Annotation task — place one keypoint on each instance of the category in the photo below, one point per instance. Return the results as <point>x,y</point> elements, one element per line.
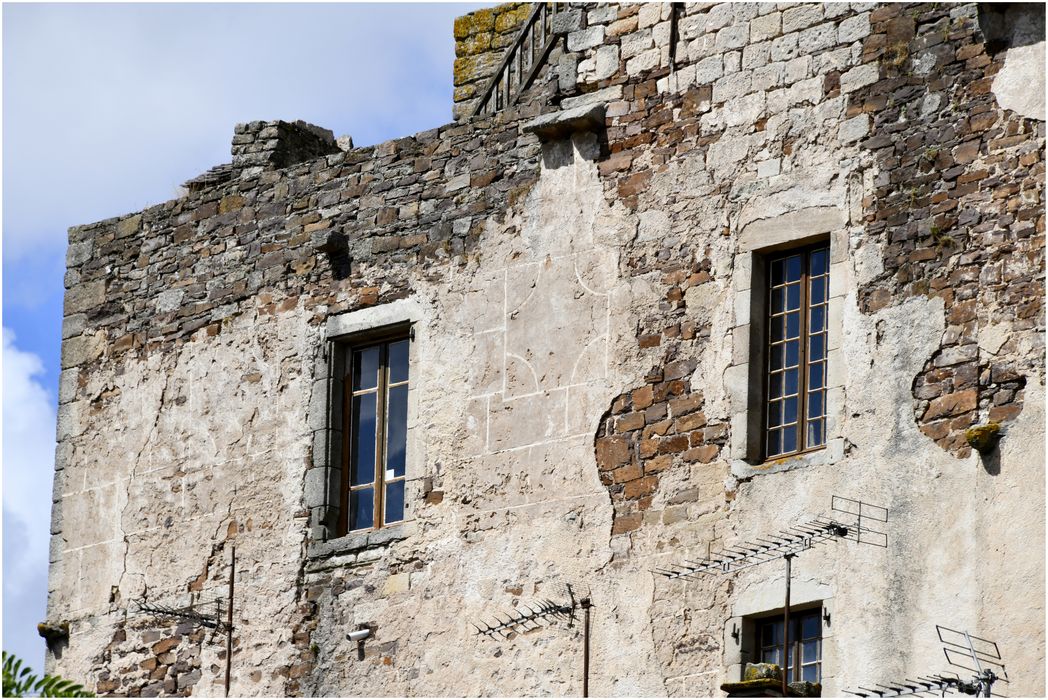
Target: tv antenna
<point>981,657</point>
<point>531,617</point>
<point>193,613</point>
<point>850,520</point>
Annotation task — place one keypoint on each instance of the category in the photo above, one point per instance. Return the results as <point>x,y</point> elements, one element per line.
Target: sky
<point>107,109</point>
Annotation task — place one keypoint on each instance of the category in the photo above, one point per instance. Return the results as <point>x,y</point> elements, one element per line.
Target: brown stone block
<point>703,453</point>
<point>642,397</point>
<point>635,184</point>
<point>649,341</point>
<point>660,428</point>
<point>999,414</point>
<point>690,422</point>
<point>612,452</point>
<point>626,523</point>
<point>648,448</point>
<point>644,486</point>
<point>673,445</point>
<point>937,430</point>
<point>658,464</point>
<point>951,405</point>
<point>630,421</point>
<point>166,645</point>
<point>685,405</point>
<point>628,473</point>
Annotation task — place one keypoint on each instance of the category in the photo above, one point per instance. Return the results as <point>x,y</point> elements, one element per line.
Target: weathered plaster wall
<point>580,373</point>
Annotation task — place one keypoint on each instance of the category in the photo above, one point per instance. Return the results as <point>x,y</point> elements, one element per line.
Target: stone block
<point>733,37</point>
<point>606,61</point>
<point>583,39</point>
<point>854,28</point>
<point>642,62</point>
<point>853,129</point>
<point>397,583</point>
<point>709,69</point>
<point>860,77</point>
<point>636,43</point>
<point>801,16</point>
<point>765,27</point>
<point>85,297</point>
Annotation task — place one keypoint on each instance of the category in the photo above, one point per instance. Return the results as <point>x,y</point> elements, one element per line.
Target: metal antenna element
<point>963,650</point>
<point>529,617</point>
<point>189,612</point>
<point>850,520</point>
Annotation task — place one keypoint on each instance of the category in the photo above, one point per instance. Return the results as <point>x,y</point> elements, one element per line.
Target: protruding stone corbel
<point>562,124</point>
<point>983,438</point>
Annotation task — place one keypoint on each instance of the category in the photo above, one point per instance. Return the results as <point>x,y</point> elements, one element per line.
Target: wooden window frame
<point>771,257</point>
<point>795,650</point>
<point>383,337</point>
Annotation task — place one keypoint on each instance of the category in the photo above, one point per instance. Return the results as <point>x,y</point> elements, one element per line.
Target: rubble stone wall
<point>581,360</point>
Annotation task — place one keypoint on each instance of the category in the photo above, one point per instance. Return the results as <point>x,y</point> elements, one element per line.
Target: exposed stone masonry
<point>584,431</point>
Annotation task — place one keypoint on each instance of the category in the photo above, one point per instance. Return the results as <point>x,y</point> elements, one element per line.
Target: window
<point>375,416</point>
<point>805,644</point>
<point>795,377</point>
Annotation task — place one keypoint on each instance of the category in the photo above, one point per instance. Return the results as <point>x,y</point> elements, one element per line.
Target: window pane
<point>777,326</point>
<point>398,361</point>
<point>818,290</point>
<point>361,509</point>
<point>775,386</point>
<point>793,325</point>
<point>791,381</point>
<point>810,673</point>
<point>815,404</point>
<point>818,346</point>
<point>789,440</point>
<point>810,630</point>
<point>394,502</point>
<point>770,655</point>
<point>792,352</point>
<point>778,270</point>
<point>362,457</point>
<point>776,357</point>
<point>396,430</point>
<point>793,297</point>
<point>365,368</point>
<point>815,434</point>
<point>815,372</point>
<point>778,303</point>
<point>775,413</point>
<point>820,261</point>
<point>790,410</point>
<point>818,320</point>
<point>793,267</point>
<point>774,446</point>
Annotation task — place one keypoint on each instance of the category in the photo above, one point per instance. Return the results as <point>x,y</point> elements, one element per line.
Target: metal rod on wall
<point>229,616</point>
<point>786,628</point>
<point>586,605</point>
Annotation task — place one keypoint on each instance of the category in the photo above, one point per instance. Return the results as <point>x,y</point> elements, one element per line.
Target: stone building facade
<point>582,276</point>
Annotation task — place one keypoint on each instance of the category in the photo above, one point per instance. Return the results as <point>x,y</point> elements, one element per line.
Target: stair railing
<point>522,62</point>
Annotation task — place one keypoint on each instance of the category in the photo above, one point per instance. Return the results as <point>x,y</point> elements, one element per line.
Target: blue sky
<point>107,109</point>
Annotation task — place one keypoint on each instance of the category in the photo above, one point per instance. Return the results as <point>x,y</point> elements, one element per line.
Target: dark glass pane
<point>362,457</point>
<point>396,430</point>
<point>792,352</point>
<point>777,326</point>
<point>365,368</point>
<point>810,673</point>
<point>820,261</point>
<point>818,320</point>
<point>818,290</point>
<point>789,440</point>
<point>791,381</point>
<point>395,502</point>
<point>815,372</point>
<point>361,509</point>
<point>809,630</point>
<point>774,386</point>
<point>815,433</point>
<point>777,300</point>
<point>772,633</point>
<point>774,444</point>
<point>774,414</point>
<point>776,357</point>
<point>817,347</point>
<point>770,656</point>
<point>793,268</point>
<point>398,361</point>
<point>790,410</point>
<point>793,297</point>
<point>778,269</point>
<point>815,404</point>
<point>793,324</point>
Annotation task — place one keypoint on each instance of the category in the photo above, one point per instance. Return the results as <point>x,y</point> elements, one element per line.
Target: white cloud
<point>28,458</point>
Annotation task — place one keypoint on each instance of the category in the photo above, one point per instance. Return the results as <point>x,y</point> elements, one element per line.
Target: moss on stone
<point>511,15</point>
<point>983,437</point>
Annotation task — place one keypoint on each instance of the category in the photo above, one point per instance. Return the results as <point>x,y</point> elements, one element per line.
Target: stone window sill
<point>357,542</point>
<point>831,454</point>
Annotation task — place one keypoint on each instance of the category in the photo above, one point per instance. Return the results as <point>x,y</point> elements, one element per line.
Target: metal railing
<point>522,62</point>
